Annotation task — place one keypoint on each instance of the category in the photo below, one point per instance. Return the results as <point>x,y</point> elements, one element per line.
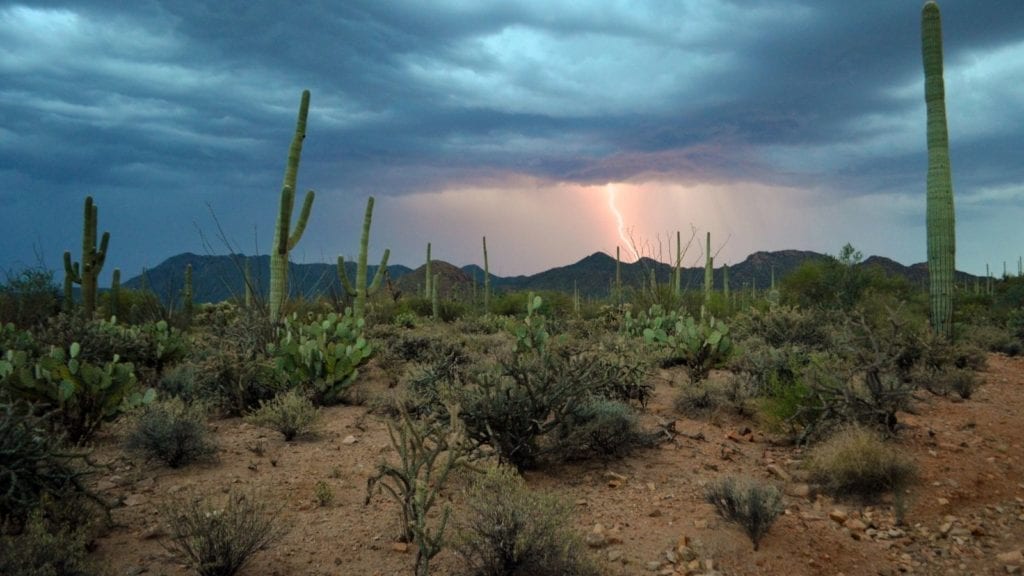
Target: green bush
<point>857,461</point>
<point>519,533</point>
<point>219,541</point>
<point>45,548</point>
<point>28,298</point>
<point>291,414</point>
<point>172,432</point>
<point>700,345</point>
<point>752,505</point>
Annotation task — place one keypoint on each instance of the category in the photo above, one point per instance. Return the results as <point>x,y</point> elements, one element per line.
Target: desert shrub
<point>481,324</point>
<point>732,392</point>
<point>43,547</point>
<point>507,530</point>
<point>754,506</point>
<point>291,413</point>
<point>233,381</point>
<point>219,541</point>
<point>947,380</point>
<point>991,338</point>
<point>1015,323</point>
<point>28,298</point>
<point>180,381</point>
<point>172,432</point>
<point>781,326</point>
<point>599,428</point>
<point>858,461</point>
<point>35,465</point>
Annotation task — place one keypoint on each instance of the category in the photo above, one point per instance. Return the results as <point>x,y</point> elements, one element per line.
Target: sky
<point>556,128</point>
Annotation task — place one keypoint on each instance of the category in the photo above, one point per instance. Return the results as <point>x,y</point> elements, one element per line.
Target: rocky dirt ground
<point>640,515</point>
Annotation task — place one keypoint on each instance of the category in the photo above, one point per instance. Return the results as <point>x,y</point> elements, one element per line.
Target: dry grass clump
<point>752,505</point>
<point>292,414</point>
<point>173,432</point>
<point>507,530</point>
<point>857,461</point>
<point>219,541</point>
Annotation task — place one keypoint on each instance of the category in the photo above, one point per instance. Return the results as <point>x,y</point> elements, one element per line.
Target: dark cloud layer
<point>165,110</point>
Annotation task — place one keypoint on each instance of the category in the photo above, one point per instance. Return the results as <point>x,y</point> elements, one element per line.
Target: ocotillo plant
<point>487,281</point>
<point>940,220</point>
<point>285,238</point>
<point>115,292</point>
<point>86,272</point>
<point>360,291</point>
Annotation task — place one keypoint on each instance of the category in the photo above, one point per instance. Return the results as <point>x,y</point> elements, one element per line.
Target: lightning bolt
<point>619,222</point>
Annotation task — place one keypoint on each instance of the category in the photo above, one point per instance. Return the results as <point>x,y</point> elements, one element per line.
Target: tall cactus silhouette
<point>487,281</point>
<point>941,219</point>
<point>115,293</point>
<point>360,291</point>
<point>187,295</point>
<point>87,271</point>
<point>285,238</point>
<point>709,278</point>
<point>427,278</point>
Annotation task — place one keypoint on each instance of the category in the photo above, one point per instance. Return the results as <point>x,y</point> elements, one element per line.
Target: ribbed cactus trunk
<point>115,293</point>
<point>725,282</point>
<point>435,304</point>
<point>248,284</point>
<point>618,277</point>
<point>427,277</point>
<point>186,295</point>
<point>941,220</point>
<point>709,278</point>
<point>285,238</point>
<point>677,273</point>
<point>487,281</point>
<point>87,271</point>
<point>360,291</point>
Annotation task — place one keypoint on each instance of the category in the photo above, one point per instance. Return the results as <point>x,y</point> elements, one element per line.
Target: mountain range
<point>218,278</point>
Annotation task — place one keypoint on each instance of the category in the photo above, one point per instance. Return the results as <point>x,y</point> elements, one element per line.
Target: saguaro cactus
<point>427,278</point>
<point>618,277</point>
<point>709,278</point>
<point>247,274</point>
<point>940,220</point>
<point>186,294</point>
<point>285,238</point>
<point>115,292</point>
<point>677,275</point>
<point>487,281</point>
<point>361,290</point>
<point>86,272</point>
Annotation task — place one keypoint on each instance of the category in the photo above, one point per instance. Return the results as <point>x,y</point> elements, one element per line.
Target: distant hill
<point>217,278</point>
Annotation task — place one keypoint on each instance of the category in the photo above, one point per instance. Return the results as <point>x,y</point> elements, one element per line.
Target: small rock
<point>837,516</point>
<point>653,565</point>
<point>777,471</point>
<point>401,547</point>
<point>799,490</point>
<point>349,440</point>
<point>614,555</point>
<point>134,500</point>
<point>654,513</point>
<point>154,531</point>
<point>856,525</point>
<point>1015,557</point>
<point>700,524</point>
<point>596,537</point>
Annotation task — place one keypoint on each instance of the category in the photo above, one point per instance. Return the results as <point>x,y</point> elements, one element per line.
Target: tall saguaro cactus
<point>427,277</point>
<point>709,278</point>
<point>487,281</point>
<point>285,237</point>
<point>361,290</point>
<point>186,295</point>
<point>940,220</point>
<point>87,271</point>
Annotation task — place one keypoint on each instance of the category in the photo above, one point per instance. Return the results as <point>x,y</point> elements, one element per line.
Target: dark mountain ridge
<point>217,278</point>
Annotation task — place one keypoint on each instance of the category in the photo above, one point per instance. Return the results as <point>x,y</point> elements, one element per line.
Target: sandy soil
<point>646,511</point>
